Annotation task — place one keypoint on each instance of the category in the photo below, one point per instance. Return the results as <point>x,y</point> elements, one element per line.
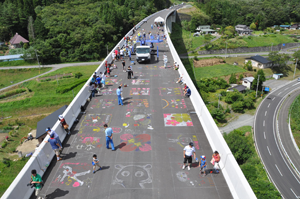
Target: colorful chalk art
<point>177,119</point>
<point>170,91</point>
<point>140,91</point>
<point>138,82</point>
<point>140,142</point>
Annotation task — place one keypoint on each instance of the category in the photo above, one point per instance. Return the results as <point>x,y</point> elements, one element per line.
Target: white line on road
<point>273,98</point>
<point>279,93</point>
<point>266,113</point>
<point>286,88</point>
<point>264,123</point>
<point>269,105</point>
<point>278,170</point>
<point>296,84</point>
<point>295,194</point>
<point>269,150</point>
<point>265,135</point>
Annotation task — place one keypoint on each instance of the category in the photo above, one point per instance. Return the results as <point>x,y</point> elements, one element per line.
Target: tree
<point>261,79</point>
<point>238,107</point>
<point>248,66</point>
<point>234,96</point>
<point>218,114</point>
<point>241,77</point>
<point>296,55</point>
<point>279,62</point>
<point>239,145</point>
<point>248,102</point>
<point>30,29</point>
<point>253,26</point>
<point>232,79</point>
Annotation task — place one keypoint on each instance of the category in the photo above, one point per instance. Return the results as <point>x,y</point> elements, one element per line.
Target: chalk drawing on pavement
<point>177,119</point>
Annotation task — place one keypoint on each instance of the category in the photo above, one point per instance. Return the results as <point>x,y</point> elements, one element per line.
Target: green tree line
<point>65,31</point>
<point>263,13</point>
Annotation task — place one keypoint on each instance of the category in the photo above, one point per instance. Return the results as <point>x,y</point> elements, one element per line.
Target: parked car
<point>298,79</point>
<point>196,34</point>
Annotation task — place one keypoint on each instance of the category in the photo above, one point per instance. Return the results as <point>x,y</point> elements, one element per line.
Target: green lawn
<point>183,40</point>
<point>44,94</point>
<point>18,63</point>
<point>295,120</point>
<point>18,75</point>
<point>217,70</point>
<point>267,41</point>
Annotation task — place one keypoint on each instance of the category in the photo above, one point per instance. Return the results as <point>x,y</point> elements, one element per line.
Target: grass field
<point>217,71</point>
<point>44,94</point>
<point>267,41</point>
<point>184,41</point>
<point>295,119</point>
<point>18,75</point>
<point>86,71</point>
<point>18,63</point>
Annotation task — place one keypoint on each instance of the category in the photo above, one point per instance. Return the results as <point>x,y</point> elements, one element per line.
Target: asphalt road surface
<point>150,131</point>
<point>268,146</point>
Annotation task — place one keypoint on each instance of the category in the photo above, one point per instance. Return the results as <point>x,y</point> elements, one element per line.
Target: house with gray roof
<point>259,62</point>
<point>16,40</point>
<point>205,29</point>
<point>243,29</point>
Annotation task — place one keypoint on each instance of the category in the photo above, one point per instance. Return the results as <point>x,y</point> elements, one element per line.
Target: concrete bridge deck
<point>150,131</point>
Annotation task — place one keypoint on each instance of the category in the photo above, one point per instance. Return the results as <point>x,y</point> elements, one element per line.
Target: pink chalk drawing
<point>137,118</point>
<point>140,82</point>
<point>175,103</point>
<point>111,81</point>
<point>93,123</point>
<point>139,142</point>
<point>178,119</point>
<point>109,91</point>
<point>140,91</point>
<point>108,103</point>
<point>116,129</point>
<point>92,140</point>
<point>172,91</point>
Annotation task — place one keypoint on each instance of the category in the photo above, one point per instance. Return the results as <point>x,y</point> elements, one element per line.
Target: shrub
<point>241,76</point>
<point>13,92</point>
<point>8,128</point>
<point>78,75</point>
<point>69,76</point>
<point>234,96</point>
<point>67,87</point>
<point>295,40</point>
<point>232,79</point>
<point>254,70</point>
<point>11,133</point>
<point>223,93</point>
<point>217,114</point>
<point>250,37</point>
<point>273,35</point>
<point>240,37</point>
<point>238,107</point>
<point>196,58</point>
<point>4,144</point>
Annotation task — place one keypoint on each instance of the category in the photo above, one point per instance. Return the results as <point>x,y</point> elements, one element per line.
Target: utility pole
<point>226,49</point>
<point>219,100</point>
<point>37,57</point>
<point>262,89</point>
<point>295,68</point>
<point>257,86</point>
<point>271,47</point>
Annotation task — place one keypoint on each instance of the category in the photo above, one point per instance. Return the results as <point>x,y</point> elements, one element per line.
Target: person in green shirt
<point>37,181</point>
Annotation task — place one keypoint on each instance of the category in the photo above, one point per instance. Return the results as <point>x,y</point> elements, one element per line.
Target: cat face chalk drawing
<point>126,174</point>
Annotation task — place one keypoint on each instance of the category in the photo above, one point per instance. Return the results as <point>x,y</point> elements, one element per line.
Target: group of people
<point>186,90</point>
<point>188,153</point>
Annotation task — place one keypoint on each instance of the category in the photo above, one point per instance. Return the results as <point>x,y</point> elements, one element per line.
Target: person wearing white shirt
<point>188,152</point>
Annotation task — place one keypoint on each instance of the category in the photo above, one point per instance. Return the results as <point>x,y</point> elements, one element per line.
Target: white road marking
<point>269,150</point>
<point>273,98</point>
<point>264,123</point>
<point>266,113</point>
<point>296,84</point>
<point>279,93</point>
<point>278,170</point>
<point>295,194</point>
<point>286,88</point>
<point>265,135</point>
<point>269,105</point>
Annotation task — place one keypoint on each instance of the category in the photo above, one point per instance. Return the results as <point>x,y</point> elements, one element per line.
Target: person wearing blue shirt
<point>55,146</point>
<point>98,79</point>
<point>202,164</point>
<point>187,92</point>
<point>109,137</point>
<point>120,101</point>
<point>50,132</point>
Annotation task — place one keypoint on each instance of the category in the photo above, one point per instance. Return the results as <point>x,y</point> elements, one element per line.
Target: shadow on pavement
<point>57,193</point>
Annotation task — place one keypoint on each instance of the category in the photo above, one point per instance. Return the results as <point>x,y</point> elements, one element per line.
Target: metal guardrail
<point>232,172</point>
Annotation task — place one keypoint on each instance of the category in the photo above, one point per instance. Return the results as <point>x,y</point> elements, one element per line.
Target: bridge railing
<point>233,174</point>
<point>43,156</point>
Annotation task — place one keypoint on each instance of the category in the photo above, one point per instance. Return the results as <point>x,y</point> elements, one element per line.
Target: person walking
<point>123,63</point>
<point>120,101</point>
<point>55,146</point>
<point>109,137</point>
<point>202,164</point>
<point>51,132</point>
<point>37,181</point>
<point>188,152</point>
<point>64,124</point>
<point>152,26</point>
<point>95,163</point>
<point>129,72</point>
<point>103,78</point>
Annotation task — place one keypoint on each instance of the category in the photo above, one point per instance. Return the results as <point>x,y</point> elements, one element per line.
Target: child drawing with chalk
<point>95,163</point>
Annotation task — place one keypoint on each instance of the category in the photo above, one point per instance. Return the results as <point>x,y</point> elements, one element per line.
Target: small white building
<point>247,81</point>
<point>259,62</point>
<point>205,29</point>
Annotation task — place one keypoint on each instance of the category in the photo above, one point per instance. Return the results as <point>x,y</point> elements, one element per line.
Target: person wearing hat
<point>55,146</point>
<point>202,164</point>
<point>51,132</point>
<point>188,152</point>
<point>64,123</point>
